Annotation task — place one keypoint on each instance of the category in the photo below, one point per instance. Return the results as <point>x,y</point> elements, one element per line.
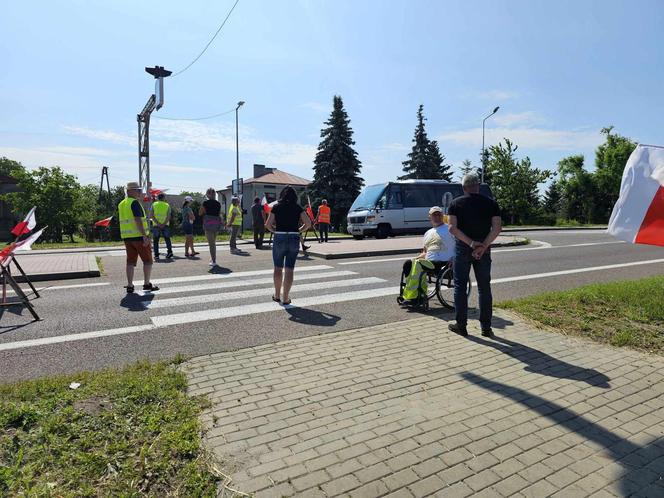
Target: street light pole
<point>483,155</point>
<point>237,145</point>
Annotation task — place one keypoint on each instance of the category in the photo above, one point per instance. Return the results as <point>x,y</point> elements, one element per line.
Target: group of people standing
<point>286,220</point>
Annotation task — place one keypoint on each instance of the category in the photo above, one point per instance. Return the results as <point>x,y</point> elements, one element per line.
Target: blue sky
<point>72,81</point>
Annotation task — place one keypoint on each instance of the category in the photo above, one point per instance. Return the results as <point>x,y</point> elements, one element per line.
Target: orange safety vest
<point>324,214</point>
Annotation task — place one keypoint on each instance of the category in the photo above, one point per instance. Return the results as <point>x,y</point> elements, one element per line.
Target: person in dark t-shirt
<point>475,223</point>
<point>258,222</point>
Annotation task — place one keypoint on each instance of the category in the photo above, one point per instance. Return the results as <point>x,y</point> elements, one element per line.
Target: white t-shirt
<point>439,243</point>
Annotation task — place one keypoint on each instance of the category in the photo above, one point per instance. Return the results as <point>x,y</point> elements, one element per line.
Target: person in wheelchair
<point>437,252</point>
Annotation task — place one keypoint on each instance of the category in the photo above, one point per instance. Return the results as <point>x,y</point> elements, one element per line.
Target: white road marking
<point>244,283</point>
<point>215,314</point>
<point>575,270</point>
<point>74,337</point>
<point>229,296</point>
<point>543,245</point>
<point>216,276</point>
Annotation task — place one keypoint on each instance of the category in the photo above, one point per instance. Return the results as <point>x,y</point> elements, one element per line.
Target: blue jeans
<point>285,248</point>
<point>463,260</point>
<point>156,234</point>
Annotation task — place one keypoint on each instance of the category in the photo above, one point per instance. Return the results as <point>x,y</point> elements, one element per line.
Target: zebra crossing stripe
<point>228,296</point>
<point>245,282</point>
<point>251,309</point>
<point>216,276</point>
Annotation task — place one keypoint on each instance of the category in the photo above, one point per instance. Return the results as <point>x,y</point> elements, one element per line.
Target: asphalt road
<point>199,313</point>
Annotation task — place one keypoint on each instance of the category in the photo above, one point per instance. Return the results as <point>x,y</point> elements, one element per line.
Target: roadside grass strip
<point>625,313</point>
<point>129,432</point>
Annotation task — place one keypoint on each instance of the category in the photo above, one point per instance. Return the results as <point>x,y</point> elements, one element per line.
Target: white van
<point>400,207</point>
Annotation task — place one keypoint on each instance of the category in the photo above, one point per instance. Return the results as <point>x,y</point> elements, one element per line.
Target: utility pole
<point>154,103</point>
<point>483,152</point>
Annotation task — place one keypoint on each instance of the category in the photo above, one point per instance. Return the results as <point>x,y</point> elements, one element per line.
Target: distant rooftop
<point>262,174</point>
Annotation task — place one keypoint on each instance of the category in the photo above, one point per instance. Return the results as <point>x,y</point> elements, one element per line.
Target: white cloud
<point>497,95</point>
<point>317,107</point>
<point>532,138</point>
<point>103,135</point>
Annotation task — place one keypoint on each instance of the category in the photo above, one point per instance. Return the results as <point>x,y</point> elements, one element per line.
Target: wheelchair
<point>440,284</point>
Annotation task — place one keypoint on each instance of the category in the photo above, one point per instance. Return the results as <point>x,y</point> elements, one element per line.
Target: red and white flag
<point>266,206</point>
<point>104,223</point>
<point>26,244</point>
<point>26,225</point>
<point>638,216</point>
<point>6,253</point>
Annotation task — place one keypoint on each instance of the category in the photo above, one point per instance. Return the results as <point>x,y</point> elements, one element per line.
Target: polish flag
<point>638,216</point>
<point>266,207</point>
<point>5,254</point>
<point>26,225</point>
<point>104,223</point>
<point>26,244</point>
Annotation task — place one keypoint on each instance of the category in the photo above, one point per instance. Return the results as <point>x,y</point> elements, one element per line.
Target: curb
<point>519,241</point>
<point>548,229</point>
<point>91,272</point>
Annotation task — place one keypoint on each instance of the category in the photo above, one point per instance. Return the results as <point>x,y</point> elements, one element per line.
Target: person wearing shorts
<point>211,213</point>
<point>287,220</point>
<point>134,233</point>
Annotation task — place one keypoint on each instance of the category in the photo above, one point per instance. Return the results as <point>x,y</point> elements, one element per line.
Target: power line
<point>197,119</point>
<point>209,43</point>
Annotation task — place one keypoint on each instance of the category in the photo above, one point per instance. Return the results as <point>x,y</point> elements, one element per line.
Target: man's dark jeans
<point>324,231</point>
<point>463,260</point>
<point>156,234</point>
<point>259,234</point>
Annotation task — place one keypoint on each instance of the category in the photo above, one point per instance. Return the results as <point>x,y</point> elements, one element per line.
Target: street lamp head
<point>158,71</point>
<point>496,109</point>
<point>240,104</point>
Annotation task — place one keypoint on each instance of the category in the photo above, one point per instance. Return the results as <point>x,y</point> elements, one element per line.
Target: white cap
<point>189,198</point>
<point>436,209</point>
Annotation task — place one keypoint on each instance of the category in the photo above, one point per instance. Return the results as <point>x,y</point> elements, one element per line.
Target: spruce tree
<point>552,199</point>
<point>466,167</point>
<point>425,160</point>
<point>336,166</point>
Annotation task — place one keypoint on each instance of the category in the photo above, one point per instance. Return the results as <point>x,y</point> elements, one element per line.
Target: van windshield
<point>368,197</point>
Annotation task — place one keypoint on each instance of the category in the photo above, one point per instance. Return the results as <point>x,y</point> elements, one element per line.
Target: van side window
<point>394,200</point>
<point>441,190</point>
<point>419,196</point>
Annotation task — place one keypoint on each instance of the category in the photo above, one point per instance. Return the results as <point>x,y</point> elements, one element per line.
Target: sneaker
<point>169,255</point>
<point>458,329</point>
<point>487,332</point>
<point>156,257</point>
<point>130,289</point>
<point>211,263</point>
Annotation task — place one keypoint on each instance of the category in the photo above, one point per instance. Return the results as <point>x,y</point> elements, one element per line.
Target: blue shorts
<point>285,248</point>
<point>188,228</point>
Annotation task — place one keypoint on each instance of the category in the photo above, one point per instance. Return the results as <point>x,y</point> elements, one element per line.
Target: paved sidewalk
<point>41,267</point>
<point>409,409</point>
<point>339,249</point>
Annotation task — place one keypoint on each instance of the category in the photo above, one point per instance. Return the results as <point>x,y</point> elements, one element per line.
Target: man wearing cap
<point>161,217</point>
<point>475,223</point>
<point>234,222</point>
<point>324,220</point>
<point>134,233</point>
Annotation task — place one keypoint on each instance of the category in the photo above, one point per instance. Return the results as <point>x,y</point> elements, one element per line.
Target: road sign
<point>236,187</point>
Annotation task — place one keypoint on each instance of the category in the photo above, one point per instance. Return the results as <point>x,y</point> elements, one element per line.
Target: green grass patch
<point>132,432</point>
<point>625,313</point>
<point>100,265</point>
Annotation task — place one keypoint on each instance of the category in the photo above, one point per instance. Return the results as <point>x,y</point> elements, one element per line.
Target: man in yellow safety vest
<point>161,217</point>
<point>134,233</point>
<point>234,223</point>
<point>324,220</point>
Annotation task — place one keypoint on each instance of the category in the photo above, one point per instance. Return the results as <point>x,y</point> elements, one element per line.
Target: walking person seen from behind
<point>161,218</point>
<point>475,223</point>
<point>134,233</point>
<point>324,220</point>
<point>286,220</point>
<point>188,227</point>
<point>234,222</point>
<point>258,222</point>
<point>211,213</point>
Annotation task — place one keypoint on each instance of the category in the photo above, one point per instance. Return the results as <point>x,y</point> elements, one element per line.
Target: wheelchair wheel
<point>445,288</point>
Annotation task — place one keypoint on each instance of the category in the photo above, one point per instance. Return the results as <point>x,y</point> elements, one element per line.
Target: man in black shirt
<point>258,222</point>
<point>475,222</point>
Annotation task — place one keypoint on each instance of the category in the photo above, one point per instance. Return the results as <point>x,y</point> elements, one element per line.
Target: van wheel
<point>383,231</point>
<point>358,237</point>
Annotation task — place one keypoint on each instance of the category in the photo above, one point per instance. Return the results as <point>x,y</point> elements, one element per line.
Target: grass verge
<point>625,313</point>
<point>100,265</point>
<point>132,432</point>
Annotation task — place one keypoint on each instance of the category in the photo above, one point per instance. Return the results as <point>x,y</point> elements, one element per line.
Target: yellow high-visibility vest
<point>160,211</point>
<point>127,224</point>
<point>238,215</point>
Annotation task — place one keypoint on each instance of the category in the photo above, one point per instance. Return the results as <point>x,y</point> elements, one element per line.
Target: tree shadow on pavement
<point>312,317</point>
<point>542,363</point>
<point>643,465</point>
